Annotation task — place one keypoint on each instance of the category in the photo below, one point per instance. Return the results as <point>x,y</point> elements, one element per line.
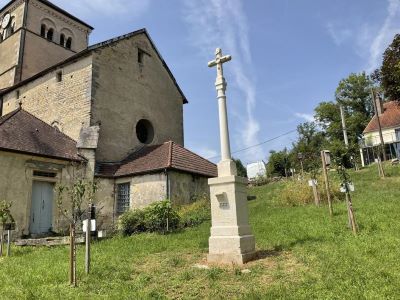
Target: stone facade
<point>16,181</point>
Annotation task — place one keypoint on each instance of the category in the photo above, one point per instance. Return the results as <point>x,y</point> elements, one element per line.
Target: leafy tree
<point>327,115</point>
<point>390,71</point>
<point>279,163</point>
<point>241,170</point>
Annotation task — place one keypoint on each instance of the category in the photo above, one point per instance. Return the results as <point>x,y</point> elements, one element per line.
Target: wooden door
<point>42,207</point>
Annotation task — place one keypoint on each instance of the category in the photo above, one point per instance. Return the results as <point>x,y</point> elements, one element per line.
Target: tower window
<point>59,76</point>
<point>62,40</point>
<point>144,131</point>
<point>43,31</point>
<point>140,56</point>
<point>50,34</point>
<point>68,45</point>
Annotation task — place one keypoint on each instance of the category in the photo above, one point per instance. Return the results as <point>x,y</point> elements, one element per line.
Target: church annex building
<point>112,112</point>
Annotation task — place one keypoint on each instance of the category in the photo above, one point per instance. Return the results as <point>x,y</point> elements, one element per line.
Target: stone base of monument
<point>231,238</point>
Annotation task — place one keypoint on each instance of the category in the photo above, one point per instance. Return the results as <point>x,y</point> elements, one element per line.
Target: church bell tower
<point>35,35</point>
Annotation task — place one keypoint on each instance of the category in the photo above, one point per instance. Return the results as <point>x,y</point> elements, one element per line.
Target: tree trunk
<point>352,220</point>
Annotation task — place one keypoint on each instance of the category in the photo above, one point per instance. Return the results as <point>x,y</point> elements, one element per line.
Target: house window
<point>50,34</point>
<point>123,197</point>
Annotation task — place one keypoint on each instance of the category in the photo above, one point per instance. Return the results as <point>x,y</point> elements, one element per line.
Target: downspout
<point>167,185</point>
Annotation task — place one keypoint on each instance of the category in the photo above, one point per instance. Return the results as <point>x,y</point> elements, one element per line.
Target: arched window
<point>50,34</point>
<point>43,30</point>
<point>62,40</point>
<point>68,45</point>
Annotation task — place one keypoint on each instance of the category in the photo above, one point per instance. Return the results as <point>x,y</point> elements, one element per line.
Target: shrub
<point>131,222</point>
<point>157,217</point>
<point>161,217</point>
<point>196,213</point>
<point>296,193</point>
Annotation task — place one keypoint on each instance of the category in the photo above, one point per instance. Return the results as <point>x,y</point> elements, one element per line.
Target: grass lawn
<point>305,255</point>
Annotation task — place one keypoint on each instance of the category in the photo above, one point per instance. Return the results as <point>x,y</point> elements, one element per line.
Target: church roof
<point>57,8</point>
<point>150,159</point>
<point>390,118</point>
<point>88,51</point>
<point>22,132</point>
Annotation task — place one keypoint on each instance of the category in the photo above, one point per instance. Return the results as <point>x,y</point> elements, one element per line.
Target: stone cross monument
<point>231,239</point>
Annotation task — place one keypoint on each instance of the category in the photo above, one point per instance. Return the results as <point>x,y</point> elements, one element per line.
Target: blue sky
<point>287,57</point>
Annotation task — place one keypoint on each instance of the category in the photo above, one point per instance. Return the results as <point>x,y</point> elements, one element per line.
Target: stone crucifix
<point>231,240</point>
<point>226,167</point>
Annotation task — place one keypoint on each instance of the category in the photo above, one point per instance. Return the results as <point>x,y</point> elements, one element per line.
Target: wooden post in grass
<point>8,242</point>
<point>380,168</point>
<point>88,233</point>
<point>1,241</point>
<point>315,191</point>
<point>346,188</point>
<point>325,163</point>
<point>72,277</point>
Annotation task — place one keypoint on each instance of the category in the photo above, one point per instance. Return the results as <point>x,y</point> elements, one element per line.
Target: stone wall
<point>126,91</point>
<point>16,179</point>
<point>105,202</point>
<point>185,188</point>
<point>65,104</point>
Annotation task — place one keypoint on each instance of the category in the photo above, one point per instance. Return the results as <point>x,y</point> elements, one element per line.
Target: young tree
<point>5,218</point>
<point>241,170</point>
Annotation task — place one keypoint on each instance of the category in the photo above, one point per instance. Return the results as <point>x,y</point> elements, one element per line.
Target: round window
<point>144,131</point>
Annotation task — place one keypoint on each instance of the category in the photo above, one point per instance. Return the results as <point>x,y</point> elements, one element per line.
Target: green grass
<point>305,255</point>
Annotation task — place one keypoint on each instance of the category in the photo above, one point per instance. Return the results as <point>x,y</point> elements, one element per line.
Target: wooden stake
<point>1,242</point>
<point>326,183</point>
<point>315,191</point>
<point>71,255</point>
<point>8,242</point>
<point>351,213</point>
<point>87,252</point>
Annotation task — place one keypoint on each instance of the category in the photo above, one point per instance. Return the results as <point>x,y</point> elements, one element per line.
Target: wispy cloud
<point>385,35</point>
<point>307,117</point>
<point>205,152</point>
<point>219,23</point>
<point>338,34</point>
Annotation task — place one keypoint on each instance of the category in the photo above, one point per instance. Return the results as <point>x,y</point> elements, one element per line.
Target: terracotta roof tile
<point>24,133</point>
<point>389,119</point>
<point>156,158</point>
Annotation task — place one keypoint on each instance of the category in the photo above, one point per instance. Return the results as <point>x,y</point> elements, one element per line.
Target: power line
<point>257,145</point>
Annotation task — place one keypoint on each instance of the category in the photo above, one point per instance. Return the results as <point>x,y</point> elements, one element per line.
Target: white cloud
<point>205,152</point>
<point>385,35</point>
<point>93,8</point>
<point>307,117</point>
<point>219,23</point>
<point>338,35</point>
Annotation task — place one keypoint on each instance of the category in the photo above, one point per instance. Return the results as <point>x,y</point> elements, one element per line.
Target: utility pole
<point>379,124</point>
<point>346,139</point>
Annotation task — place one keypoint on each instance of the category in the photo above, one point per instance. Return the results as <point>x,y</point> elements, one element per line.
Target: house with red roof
<point>388,117</point>
<point>111,112</point>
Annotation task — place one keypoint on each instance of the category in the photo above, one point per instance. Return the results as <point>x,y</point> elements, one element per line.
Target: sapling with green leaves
<point>5,218</point>
<point>346,185</point>
<point>70,201</point>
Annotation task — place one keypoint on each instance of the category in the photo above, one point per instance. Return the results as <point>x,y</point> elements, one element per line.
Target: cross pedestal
<point>231,239</point>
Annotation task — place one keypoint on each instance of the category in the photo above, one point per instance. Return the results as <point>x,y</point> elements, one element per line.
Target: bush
<point>296,193</point>
<point>157,217</point>
<point>161,217</point>
<point>132,222</point>
<point>196,213</point>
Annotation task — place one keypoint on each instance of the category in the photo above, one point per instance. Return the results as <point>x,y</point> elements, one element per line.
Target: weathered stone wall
<point>64,104</point>
<point>105,202</point>
<point>16,180</point>
<point>185,188</point>
<point>126,91</point>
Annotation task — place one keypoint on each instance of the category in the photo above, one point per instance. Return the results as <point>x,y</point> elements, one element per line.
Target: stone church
<point>112,112</point>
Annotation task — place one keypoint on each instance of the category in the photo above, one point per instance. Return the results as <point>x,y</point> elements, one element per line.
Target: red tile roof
<point>24,133</point>
<point>158,158</point>
<point>389,119</point>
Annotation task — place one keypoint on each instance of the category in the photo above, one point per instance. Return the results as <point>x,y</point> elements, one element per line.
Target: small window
<point>140,56</point>
<point>59,76</point>
<point>43,31</point>
<point>50,34</point>
<point>123,198</point>
<point>62,40</point>
<point>144,131</point>
<point>68,44</point>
